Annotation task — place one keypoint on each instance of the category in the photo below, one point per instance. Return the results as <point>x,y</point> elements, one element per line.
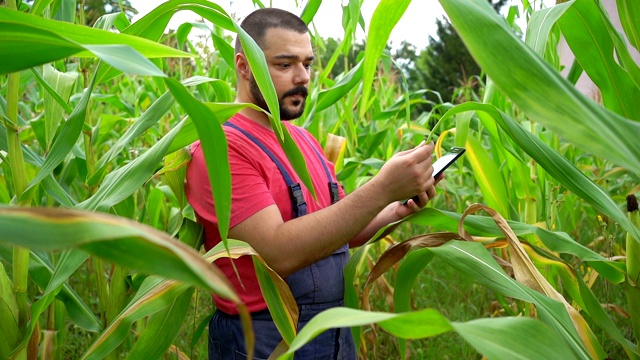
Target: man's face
<point>289,57</point>
<point>286,112</point>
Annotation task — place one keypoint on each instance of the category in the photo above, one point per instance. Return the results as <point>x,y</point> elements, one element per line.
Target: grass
<point>457,297</point>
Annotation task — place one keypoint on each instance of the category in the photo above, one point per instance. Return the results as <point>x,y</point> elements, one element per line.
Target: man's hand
<point>403,210</point>
<point>408,173</point>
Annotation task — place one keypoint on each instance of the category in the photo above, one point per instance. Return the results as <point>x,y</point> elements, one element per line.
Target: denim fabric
<point>322,282</point>
<point>226,340</point>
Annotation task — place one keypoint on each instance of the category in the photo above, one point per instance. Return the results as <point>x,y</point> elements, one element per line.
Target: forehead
<point>282,41</point>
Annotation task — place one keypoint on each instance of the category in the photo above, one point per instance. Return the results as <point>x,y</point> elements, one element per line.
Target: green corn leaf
<point>330,96</point>
<point>492,338</point>
<point>558,167</point>
<point>29,40</point>
<point>489,178</point>
<point>540,24</point>
<point>408,272</point>
<point>297,160</point>
<point>57,192</point>
<point>414,263</point>
<point>475,261</point>
<point>557,242</point>
<point>107,21</point>
<point>66,139</point>
<point>593,307</point>
<point>154,295</point>
<point>9,315</point>
<point>187,135</point>
<point>125,59</point>
<point>18,44</point>
<point>587,33</point>
<point>226,50</point>
<point>183,31</point>
<point>384,19</point>
<point>191,233</point>
<point>155,203</point>
<point>152,25</point>
<point>562,170</point>
<point>214,146</point>
<point>124,181</point>
<point>69,262</point>
<point>283,319</point>
<point>65,11</point>
<point>51,186</point>
<point>175,172</point>
<point>351,297</point>
<point>628,63</point>
<point>116,239</point>
<point>629,12</point>
<point>51,92</point>
<point>62,85</point>
<point>162,328</point>
<point>150,117</point>
<point>39,6</point>
<point>41,272</point>
<point>496,338</point>
<point>260,71</point>
<point>86,35</point>
<point>539,90</point>
<point>310,11</point>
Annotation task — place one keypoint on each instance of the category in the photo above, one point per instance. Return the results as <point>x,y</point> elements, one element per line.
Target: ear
<point>242,66</point>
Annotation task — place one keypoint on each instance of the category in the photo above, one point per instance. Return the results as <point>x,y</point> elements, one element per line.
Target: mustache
<point>299,90</point>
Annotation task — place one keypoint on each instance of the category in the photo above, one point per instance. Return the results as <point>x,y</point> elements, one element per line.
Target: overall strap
<point>333,186</point>
<point>295,191</point>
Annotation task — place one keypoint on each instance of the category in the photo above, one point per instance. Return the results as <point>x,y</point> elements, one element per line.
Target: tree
<point>344,63</point>
<point>93,9</point>
<point>443,66</point>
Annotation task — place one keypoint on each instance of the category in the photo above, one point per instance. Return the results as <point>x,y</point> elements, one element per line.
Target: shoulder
<point>301,134</point>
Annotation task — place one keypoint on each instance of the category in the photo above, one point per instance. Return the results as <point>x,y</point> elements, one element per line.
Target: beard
<point>286,113</point>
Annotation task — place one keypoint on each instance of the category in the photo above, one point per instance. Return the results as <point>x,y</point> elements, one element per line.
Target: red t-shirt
<point>256,182</point>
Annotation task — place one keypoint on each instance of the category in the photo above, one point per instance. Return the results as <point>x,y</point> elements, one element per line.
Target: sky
<point>415,26</point>
<point>418,22</point>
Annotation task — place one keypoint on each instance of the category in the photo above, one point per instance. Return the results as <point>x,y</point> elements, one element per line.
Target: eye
<point>308,66</point>
<point>284,65</point>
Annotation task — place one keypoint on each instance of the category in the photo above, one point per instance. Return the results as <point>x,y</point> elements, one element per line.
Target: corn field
<point>97,238</point>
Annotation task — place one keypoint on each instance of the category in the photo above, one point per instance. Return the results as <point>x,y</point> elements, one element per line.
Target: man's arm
<point>394,212</point>
<point>295,244</point>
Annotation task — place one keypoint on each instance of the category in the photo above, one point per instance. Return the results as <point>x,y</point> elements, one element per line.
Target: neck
<point>257,116</point>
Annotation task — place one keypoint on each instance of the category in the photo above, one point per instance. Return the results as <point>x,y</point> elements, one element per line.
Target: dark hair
<point>258,22</point>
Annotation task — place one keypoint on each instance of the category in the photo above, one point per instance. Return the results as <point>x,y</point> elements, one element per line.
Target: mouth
<point>299,93</point>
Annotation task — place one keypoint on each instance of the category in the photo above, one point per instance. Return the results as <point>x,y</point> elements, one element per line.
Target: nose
<point>302,75</point>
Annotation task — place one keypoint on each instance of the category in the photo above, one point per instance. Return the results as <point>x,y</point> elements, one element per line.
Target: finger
<point>431,192</point>
<point>422,153</point>
<point>423,199</point>
<point>413,205</point>
<point>405,152</point>
<point>439,178</point>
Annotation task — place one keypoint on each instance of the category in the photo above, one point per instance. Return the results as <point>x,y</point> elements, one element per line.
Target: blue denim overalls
<point>316,288</point>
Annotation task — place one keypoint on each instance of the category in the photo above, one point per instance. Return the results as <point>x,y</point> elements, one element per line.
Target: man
<point>304,241</point>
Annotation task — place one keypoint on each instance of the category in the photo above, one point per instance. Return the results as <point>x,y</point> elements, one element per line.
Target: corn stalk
<point>632,285</point>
